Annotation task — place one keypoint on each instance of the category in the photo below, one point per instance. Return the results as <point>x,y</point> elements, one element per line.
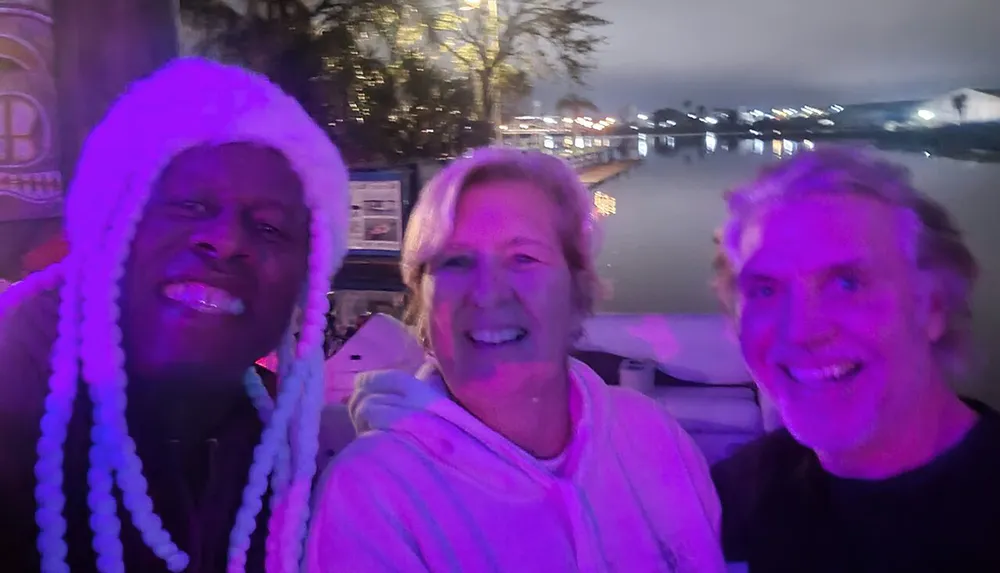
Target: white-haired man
<point>850,291</point>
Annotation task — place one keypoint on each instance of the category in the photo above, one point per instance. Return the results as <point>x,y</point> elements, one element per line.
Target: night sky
<point>788,52</point>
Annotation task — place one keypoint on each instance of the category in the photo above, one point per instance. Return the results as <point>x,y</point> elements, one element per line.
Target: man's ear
<point>933,306</point>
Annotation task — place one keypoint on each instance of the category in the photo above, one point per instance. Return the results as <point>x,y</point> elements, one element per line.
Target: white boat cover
<point>697,348</point>
<point>383,343</point>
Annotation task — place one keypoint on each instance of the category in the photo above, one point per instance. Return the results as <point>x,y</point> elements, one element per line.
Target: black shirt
<point>196,486</point>
<point>783,513</point>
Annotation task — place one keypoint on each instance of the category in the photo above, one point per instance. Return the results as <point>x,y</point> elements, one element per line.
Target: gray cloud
<point>787,52</point>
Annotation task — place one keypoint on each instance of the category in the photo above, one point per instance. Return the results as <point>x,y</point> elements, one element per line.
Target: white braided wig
<point>188,103</point>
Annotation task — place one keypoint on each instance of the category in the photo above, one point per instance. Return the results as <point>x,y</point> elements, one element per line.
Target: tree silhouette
<point>573,105</point>
<point>489,39</point>
<point>310,49</point>
<point>515,87</point>
<point>353,64</point>
<point>959,101</point>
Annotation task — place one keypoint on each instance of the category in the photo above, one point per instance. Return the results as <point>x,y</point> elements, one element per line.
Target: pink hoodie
<point>428,487</point>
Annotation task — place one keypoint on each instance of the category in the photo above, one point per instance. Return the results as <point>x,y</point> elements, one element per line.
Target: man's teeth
<point>204,298</point>
<point>830,373</point>
<point>497,336</point>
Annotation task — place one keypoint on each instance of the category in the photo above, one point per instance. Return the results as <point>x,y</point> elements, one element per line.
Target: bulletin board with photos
<point>379,205</point>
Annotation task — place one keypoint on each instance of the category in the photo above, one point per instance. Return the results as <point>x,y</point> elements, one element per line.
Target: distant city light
<point>711,142</point>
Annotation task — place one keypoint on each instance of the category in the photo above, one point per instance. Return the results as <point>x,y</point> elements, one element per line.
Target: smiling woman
<point>504,454</point>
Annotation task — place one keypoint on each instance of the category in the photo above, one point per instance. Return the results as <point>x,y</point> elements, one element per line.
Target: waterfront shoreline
<point>984,137</point>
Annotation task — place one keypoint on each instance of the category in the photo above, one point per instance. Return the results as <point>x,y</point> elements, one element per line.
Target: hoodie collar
<point>419,405</point>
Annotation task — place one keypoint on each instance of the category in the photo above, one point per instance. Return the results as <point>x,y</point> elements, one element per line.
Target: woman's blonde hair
<point>433,218</point>
<point>933,241</point>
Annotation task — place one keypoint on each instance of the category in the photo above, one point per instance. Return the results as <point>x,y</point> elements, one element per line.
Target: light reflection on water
<point>658,245</point>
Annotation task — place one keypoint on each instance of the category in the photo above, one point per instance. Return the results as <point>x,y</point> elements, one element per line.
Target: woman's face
<point>499,295</point>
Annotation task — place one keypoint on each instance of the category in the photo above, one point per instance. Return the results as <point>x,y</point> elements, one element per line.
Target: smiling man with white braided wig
<point>207,206</point>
